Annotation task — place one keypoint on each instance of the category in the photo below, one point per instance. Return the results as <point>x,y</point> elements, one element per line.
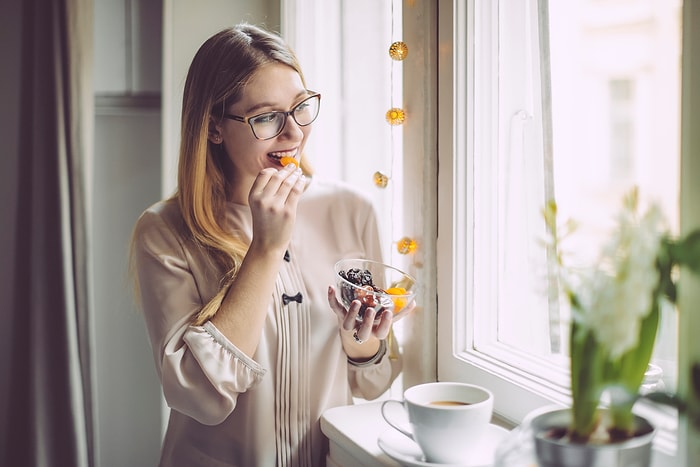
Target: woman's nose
<point>292,130</point>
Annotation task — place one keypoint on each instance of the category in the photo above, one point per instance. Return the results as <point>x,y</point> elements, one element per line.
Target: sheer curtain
<point>46,376</point>
<point>351,138</point>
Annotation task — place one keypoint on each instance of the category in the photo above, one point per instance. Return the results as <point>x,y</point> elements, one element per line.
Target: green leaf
<point>633,365</point>
<point>686,252</point>
<point>664,265</point>
<point>586,380</point>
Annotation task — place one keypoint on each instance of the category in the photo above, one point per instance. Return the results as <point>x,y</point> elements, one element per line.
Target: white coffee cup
<point>447,419</point>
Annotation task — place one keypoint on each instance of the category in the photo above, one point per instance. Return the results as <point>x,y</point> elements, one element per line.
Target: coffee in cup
<point>449,403</point>
<point>447,419</point>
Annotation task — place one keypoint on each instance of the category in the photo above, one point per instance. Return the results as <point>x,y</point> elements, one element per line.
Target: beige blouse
<point>227,408</point>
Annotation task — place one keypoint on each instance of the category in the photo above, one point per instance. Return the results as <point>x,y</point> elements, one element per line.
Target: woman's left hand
<point>356,334</point>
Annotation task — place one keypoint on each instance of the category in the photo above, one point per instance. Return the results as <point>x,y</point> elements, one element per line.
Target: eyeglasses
<point>270,124</point>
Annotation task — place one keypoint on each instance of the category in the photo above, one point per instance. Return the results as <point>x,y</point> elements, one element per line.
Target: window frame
<point>517,392</point>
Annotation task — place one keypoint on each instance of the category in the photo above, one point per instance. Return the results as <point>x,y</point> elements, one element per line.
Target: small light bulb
<point>395,116</point>
<point>406,246</point>
<point>398,50</point>
<point>380,179</point>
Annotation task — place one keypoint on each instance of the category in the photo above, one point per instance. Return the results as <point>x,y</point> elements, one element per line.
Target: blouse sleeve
<point>201,372</point>
<point>371,381</point>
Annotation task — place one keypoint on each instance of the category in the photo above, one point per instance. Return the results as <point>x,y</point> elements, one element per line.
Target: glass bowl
<point>374,284</point>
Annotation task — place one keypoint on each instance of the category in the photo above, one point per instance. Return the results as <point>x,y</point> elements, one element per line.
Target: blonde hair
<point>216,78</point>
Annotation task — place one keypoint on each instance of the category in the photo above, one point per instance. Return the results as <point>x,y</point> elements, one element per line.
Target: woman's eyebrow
<point>262,105</point>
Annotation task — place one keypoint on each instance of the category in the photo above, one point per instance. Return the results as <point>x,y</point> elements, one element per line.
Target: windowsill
<point>353,432</point>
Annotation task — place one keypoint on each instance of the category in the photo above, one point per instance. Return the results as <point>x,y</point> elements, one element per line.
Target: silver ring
<point>357,338</point>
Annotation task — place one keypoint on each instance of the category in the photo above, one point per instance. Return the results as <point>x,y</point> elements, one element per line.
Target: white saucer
<point>406,452</point>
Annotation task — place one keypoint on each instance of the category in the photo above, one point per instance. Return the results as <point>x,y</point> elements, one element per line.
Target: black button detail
<point>295,298</point>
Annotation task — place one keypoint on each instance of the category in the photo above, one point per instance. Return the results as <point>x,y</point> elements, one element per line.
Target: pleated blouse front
<point>227,408</point>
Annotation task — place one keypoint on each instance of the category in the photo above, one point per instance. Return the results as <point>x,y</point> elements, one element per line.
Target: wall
<point>125,180</point>
<point>142,51</point>
<point>186,25</point>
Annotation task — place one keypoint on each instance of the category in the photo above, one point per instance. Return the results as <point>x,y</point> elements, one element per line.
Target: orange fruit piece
<point>286,160</point>
<point>399,302</point>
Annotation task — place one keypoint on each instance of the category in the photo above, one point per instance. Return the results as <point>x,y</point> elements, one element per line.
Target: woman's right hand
<point>273,201</point>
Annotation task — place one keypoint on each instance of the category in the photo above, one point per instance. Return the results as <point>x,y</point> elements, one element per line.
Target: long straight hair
<point>221,68</point>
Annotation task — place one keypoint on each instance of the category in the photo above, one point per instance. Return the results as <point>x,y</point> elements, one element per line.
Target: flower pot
<point>553,451</point>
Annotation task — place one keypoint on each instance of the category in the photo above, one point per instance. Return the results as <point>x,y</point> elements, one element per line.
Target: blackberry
<point>365,294</point>
<point>366,278</point>
<point>354,275</point>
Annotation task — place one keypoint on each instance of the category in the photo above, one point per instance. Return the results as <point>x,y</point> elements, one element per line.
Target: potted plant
<point>615,310</point>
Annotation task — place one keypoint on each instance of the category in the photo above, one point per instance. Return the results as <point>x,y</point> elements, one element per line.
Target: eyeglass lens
<point>271,124</point>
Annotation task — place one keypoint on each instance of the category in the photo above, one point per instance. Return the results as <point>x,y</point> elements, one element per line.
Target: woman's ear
<point>214,132</point>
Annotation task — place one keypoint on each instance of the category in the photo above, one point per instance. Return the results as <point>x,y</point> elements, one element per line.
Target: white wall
<point>127,392</point>
<point>124,181</point>
<point>186,26</point>
<point>142,51</point>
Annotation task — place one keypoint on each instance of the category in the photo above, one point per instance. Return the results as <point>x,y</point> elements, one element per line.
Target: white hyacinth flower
<point>618,294</point>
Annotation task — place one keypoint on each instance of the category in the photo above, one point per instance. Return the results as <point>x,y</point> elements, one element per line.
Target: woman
<point>233,271</point>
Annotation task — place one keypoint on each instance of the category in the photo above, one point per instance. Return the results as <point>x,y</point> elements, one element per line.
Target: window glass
<point>579,105</point>
<point>615,73</point>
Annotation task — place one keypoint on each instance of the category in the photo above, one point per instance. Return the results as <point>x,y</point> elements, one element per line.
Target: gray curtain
<point>46,371</point>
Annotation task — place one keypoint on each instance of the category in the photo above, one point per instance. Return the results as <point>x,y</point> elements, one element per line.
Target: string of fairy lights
<point>395,116</point>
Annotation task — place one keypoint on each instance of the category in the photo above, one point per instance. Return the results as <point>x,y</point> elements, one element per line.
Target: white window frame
<point>518,391</point>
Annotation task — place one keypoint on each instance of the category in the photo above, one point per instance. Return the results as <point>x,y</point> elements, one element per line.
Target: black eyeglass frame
<point>288,113</point>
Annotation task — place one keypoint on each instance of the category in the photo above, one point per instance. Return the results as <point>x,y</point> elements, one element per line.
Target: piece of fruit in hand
<point>286,160</point>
